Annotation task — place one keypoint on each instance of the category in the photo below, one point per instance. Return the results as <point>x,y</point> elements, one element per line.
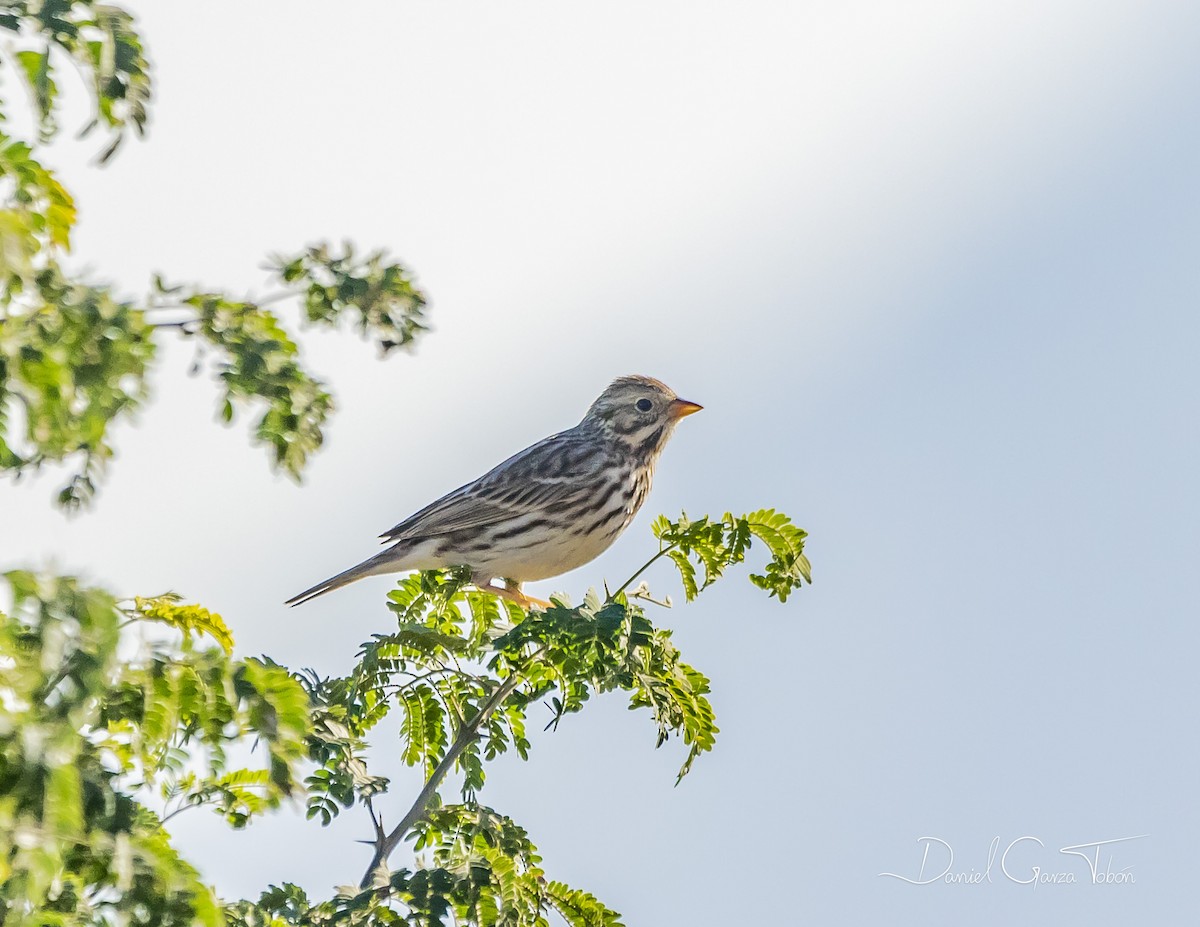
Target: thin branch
<point>68,666</point>
<point>421,677</point>
<point>184,325</point>
<point>376,821</point>
<point>277,296</point>
<point>466,735</point>
<point>642,592</point>
<point>187,801</point>
<point>451,703</point>
<point>643,568</point>
<point>188,325</point>
<point>180,809</point>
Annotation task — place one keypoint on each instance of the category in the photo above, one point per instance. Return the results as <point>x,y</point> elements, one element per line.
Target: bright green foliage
<point>189,619</point>
<point>602,647</point>
<point>464,670</point>
<point>75,357</point>
<point>485,871</point>
<point>715,545</point>
<point>455,651</point>
<point>103,737</point>
<point>98,752</point>
<point>101,744</point>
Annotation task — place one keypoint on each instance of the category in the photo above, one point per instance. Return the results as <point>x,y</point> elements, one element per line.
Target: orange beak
<point>681,407</point>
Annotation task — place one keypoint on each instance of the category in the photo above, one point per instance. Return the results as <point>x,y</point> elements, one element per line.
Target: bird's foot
<point>510,591</point>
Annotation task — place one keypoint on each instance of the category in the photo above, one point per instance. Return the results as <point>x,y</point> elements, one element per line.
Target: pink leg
<point>510,591</point>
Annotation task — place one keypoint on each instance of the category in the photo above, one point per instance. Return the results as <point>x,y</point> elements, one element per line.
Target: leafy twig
<point>466,734</point>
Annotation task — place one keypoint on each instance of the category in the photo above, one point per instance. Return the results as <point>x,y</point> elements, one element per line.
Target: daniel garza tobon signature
<point>1015,864</point>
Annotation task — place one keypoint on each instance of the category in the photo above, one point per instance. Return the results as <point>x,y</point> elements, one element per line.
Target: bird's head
<point>639,412</point>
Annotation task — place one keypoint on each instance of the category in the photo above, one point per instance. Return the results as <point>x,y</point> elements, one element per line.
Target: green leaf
<point>716,545</point>
<point>36,68</point>
<point>74,363</point>
<point>579,908</point>
<point>63,812</point>
<point>687,573</point>
<point>190,619</point>
<point>377,294</point>
<point>423,728</point>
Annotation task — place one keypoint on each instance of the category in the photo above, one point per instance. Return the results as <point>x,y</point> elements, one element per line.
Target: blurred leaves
<point>75,358</point>
<point>379,295</point>
<point>72,360</point>
<point>90,732</point>
<point>102,44</point>
<point>258,365</point>
<point>257,362</point>
<point>39,212</point>
<point>187,619</point>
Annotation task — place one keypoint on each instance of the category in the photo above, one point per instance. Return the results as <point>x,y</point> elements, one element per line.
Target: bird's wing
<point>557,472</point>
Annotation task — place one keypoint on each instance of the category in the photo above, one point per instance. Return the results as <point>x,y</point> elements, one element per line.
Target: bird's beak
<point>681,407</point>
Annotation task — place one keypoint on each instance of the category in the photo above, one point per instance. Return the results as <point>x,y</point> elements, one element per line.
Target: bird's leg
<point>510,590</point>
<point>515,588</point>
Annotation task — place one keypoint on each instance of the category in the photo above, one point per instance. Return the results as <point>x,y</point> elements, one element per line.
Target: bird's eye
<point>644,405</point>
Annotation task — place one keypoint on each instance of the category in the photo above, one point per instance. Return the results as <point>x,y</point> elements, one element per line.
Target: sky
<point>931,269</point>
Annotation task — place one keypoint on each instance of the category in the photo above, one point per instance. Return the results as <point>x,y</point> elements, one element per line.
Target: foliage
<point>75,356</point>
<point>485,871</point>
<point>100,40</point>
<point>464,669</point>
<point>189,619</point>
<point>715,545</point>
<point>70,364</point>
<point>105,734</point>
<point>377,295</point>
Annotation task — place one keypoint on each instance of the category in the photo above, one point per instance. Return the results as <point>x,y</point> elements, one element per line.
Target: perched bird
<point>549,509</point>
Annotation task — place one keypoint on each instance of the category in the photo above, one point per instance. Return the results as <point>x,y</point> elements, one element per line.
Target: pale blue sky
<point>931,268</point>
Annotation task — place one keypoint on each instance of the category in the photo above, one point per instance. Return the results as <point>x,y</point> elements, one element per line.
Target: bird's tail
<point>383,562</point>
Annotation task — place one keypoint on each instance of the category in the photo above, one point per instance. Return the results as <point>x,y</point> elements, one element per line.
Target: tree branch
<point>376,822</point>
<point>643,568</point>
<point>47,689</point>
<point>467,733</point>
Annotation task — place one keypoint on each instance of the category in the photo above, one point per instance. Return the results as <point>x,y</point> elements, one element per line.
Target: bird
<point>550,508</point>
